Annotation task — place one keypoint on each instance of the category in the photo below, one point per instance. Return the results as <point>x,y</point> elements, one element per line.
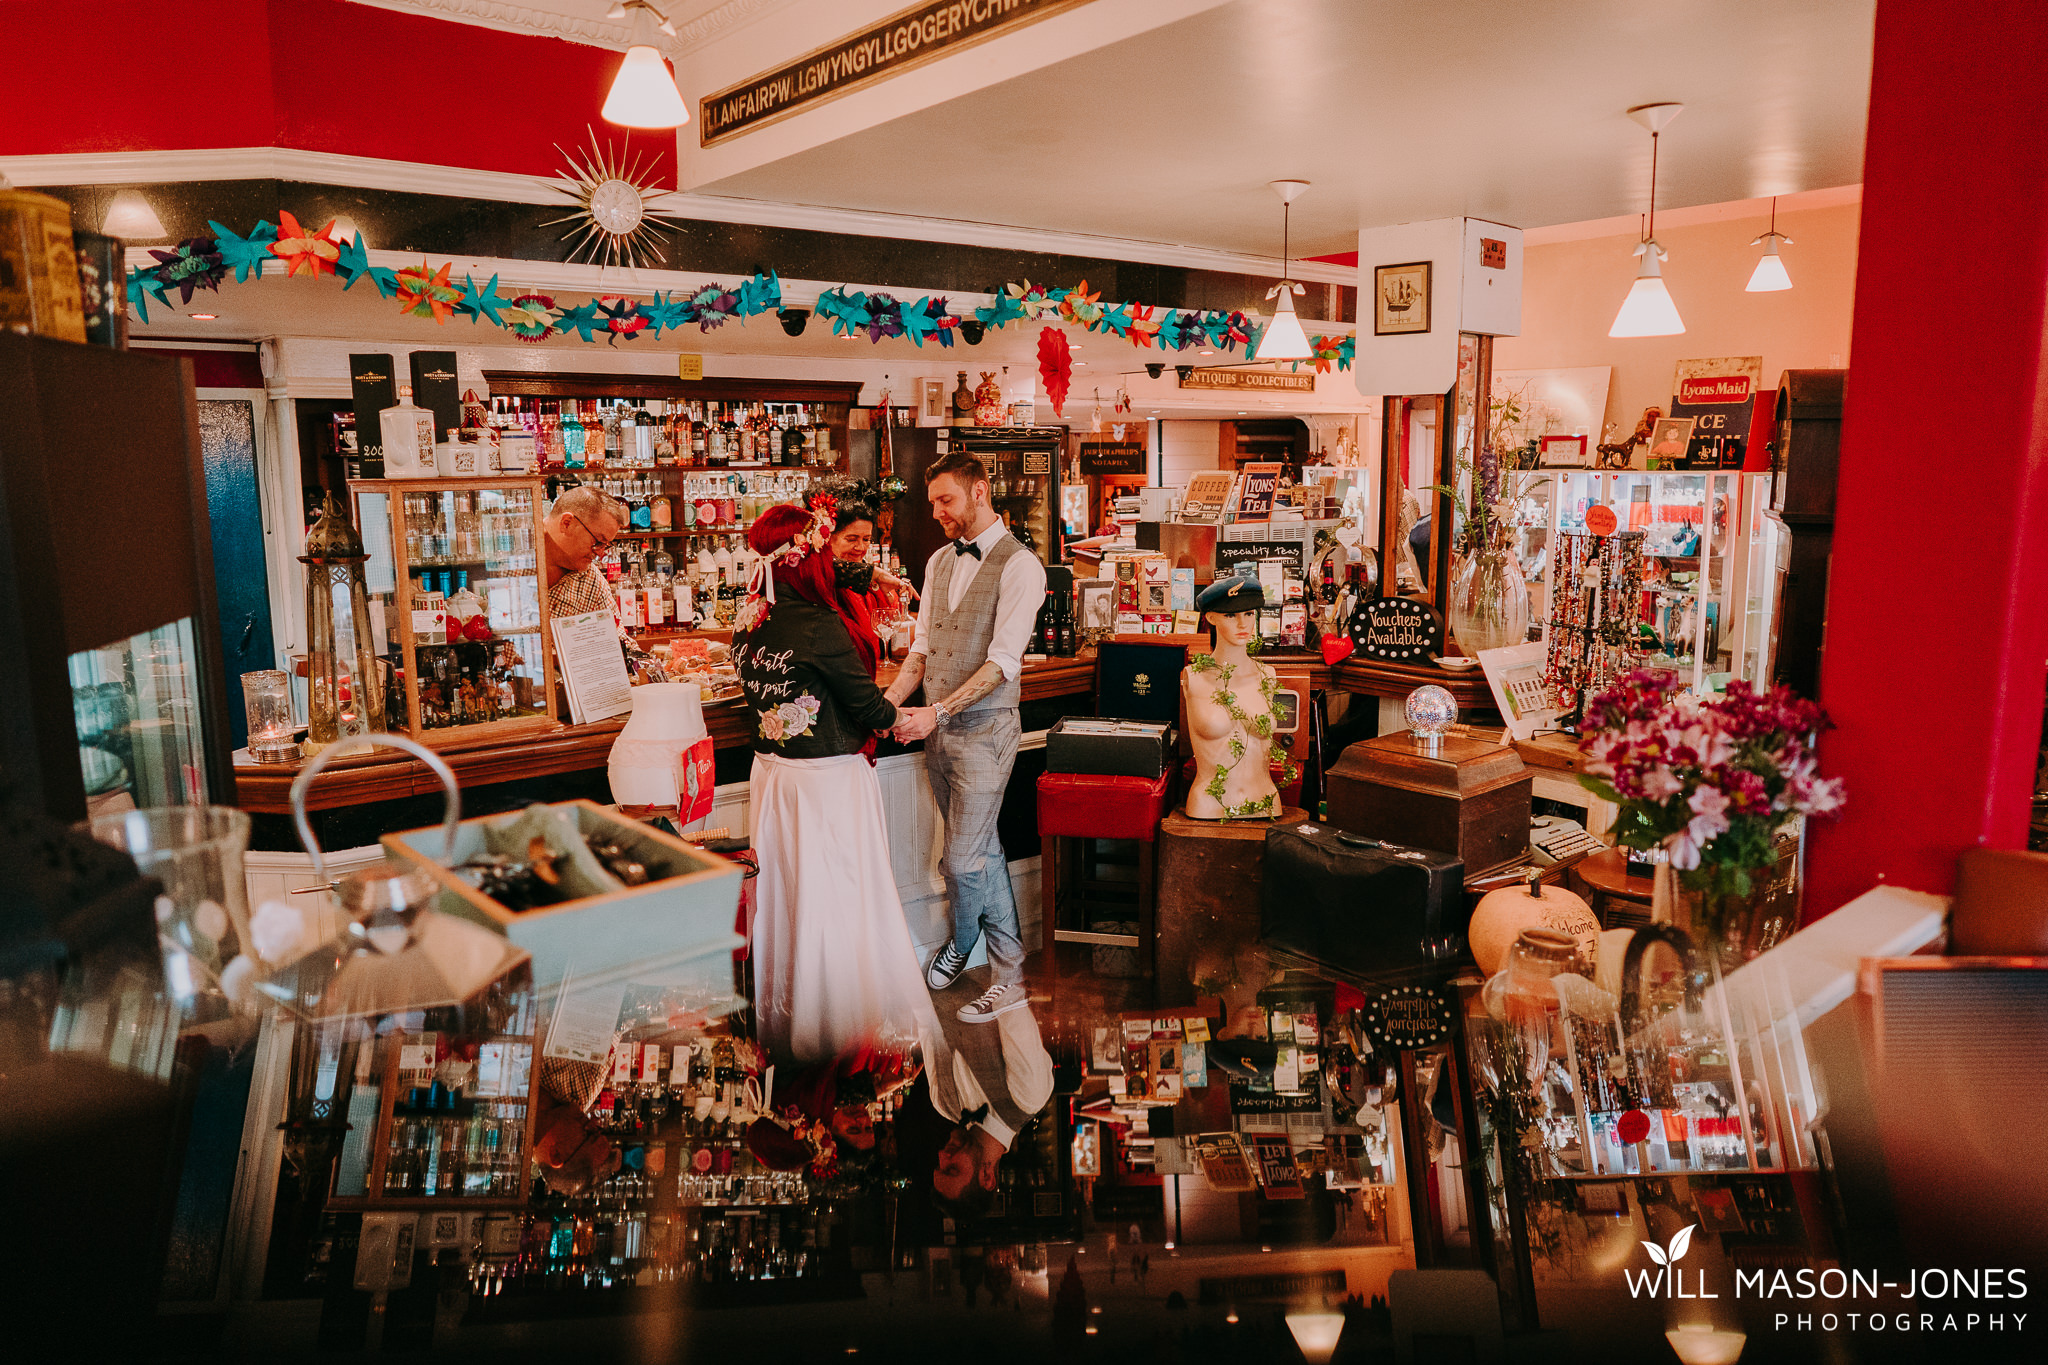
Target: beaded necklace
<point>1261,727</point>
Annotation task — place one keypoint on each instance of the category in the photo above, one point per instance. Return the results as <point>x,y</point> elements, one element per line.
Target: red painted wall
<point>318,75</point>
<point>1937,633</point>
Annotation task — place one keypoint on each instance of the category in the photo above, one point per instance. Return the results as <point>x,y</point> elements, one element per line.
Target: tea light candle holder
<point>267,693</point>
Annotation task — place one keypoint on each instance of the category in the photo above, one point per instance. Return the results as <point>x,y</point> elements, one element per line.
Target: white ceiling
<point>1397,110</point>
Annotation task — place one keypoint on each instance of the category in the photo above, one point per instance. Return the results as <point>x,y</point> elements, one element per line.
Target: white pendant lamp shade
<point>131,218</point>
<point>1648,310</point>
<point>1283,338</point>
<point>1770,273</point>
<point>644,93</point>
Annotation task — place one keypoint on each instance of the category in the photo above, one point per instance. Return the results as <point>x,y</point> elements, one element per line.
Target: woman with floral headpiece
<point>834,965</point>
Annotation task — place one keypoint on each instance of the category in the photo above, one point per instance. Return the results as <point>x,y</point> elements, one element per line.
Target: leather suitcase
<point>1360,907</point>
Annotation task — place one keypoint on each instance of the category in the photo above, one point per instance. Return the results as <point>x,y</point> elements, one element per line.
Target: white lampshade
<point>1648,310</point>
<point>131,218</point>
<point>1698,1344</point>
<point>644,93</point>
<point>1316,1334</point>
<point>1283,338</point>
<point>1770,273</point>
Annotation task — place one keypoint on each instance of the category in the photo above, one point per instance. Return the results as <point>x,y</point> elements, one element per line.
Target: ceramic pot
<point>1502,915</point>
<point>1489,606</point>
<point>963,400</point>
<point>647,758</point>
<point>988,401</point>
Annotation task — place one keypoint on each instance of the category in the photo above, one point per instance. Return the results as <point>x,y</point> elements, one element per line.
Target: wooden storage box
<point>1470,798</point>
<point>674,929</point>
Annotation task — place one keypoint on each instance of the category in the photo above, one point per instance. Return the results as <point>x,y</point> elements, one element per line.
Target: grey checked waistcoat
<point>957,643</point>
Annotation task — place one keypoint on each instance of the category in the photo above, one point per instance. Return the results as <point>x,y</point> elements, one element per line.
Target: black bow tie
<point>966,547</point>
<point>971,1117</point>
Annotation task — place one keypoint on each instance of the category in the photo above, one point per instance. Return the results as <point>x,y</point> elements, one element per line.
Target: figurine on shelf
<point>988,401</point>
<point>1616,454</point>
<point>1232,711</point>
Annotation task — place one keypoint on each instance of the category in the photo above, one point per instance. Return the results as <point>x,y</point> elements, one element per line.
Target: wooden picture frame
<point>1401,299</point>
<point>1562,452</point>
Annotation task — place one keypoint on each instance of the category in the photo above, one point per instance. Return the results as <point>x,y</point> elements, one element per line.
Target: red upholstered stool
<point>1087,806</point>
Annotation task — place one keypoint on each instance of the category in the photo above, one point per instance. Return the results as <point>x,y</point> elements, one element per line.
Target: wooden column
<point>1937,633</point>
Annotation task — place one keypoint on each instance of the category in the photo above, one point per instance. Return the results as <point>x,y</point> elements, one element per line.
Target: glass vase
<point>1489,606</point>
<point>1730,929</point>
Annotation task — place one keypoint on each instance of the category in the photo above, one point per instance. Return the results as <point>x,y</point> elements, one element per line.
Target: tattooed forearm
<point>907,679</point>
<point>986,679</point>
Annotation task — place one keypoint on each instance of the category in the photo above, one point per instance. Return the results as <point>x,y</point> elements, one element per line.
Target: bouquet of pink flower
<point>1709,779</point>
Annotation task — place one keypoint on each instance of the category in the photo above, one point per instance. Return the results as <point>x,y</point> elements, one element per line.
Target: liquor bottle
<point>408,433</point>
<point>660,575</point>
<point>699,437</point>
<point>743,444</point>
<point>608,421</point>
<point>721,560</point>
<point>1045,635</point>
<point>573,438</point>
<point>642,513</point>
<point>628,589</point>
<point>660,512</point>
<point>730,427</point>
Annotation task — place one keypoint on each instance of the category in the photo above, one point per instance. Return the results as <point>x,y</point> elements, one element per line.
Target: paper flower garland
<point>303,252</point>
<point>1055,367</point>
<point>194,263</point>
<point>427,291</point>
<point>531,317</point>
<point>424,292</point>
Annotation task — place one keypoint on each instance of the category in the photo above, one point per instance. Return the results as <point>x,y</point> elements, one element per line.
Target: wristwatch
<point>940,715</point>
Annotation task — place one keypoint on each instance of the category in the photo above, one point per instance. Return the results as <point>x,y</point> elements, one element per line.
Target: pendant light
<point>131,218</point>
<point>1769,274</point>
<point>1648,310</point>
<point>644,94</point>
<point>1283,338</point>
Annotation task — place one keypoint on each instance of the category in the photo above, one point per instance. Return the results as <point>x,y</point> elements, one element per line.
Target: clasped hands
<point>914,723</point>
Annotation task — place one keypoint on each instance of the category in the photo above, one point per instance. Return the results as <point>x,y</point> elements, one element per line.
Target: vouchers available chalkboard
<point>1407,1016</point>
<point>1397,630</point>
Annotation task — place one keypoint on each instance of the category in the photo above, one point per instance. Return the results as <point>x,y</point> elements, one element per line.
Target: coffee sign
<point>1407,1016</point>
<point>1397,630</point>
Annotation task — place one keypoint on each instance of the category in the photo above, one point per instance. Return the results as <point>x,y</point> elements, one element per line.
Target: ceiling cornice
<point>690,33</point>
<point>412,177</point>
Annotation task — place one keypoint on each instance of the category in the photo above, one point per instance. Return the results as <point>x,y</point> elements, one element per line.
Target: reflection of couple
<point>833,958</point>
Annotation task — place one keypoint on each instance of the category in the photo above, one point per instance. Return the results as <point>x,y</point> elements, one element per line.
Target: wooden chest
<point>1471,797</point>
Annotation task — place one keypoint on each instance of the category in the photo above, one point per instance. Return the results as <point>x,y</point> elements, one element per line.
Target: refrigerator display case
<point>1024,486</point>
<point>113,696</point>
<point>460,669</point>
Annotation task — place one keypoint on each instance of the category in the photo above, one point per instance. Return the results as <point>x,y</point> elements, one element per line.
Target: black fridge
<point>1024,485</point>
<point>112,693</point>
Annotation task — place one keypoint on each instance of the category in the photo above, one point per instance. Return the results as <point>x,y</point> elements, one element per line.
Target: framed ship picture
<point>1400,299</point>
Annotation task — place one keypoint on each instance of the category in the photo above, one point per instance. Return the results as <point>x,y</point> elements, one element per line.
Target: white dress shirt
<point>1017,601</point>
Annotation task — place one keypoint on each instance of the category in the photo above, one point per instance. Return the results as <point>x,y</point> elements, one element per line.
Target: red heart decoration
<point>1337,648</point>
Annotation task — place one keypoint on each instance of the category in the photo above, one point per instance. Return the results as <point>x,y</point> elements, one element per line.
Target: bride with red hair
<point>834,965</point>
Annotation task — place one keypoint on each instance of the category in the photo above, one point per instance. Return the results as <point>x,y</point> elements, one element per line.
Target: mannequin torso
<point>1229,698</point>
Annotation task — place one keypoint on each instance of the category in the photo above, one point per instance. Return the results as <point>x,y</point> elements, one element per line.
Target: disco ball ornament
<point>1431,712</point>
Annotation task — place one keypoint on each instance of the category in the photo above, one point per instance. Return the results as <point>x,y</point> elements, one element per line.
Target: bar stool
<point>1076,806</point>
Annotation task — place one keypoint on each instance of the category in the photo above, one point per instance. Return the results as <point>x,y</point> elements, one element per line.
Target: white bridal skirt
<point>834,965</point>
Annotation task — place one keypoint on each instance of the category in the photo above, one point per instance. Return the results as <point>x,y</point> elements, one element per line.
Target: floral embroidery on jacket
<point>790,720</point>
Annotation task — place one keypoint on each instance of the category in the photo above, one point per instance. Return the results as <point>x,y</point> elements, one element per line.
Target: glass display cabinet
<point>458,605</point>
<point>1696,559</point>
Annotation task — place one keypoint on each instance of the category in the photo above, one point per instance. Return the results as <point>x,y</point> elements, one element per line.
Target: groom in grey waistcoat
<point>982,592</point>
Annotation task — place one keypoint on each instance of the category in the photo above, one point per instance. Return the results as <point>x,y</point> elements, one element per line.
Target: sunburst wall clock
<point>613,223</point>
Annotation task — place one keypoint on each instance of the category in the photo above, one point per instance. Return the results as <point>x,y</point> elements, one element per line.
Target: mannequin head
<point>1230,608</point>
<point>1232,629</point>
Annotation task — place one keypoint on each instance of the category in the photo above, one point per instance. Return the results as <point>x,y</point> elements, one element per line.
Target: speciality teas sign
<point>1397,630</point>
<point>905,39</point>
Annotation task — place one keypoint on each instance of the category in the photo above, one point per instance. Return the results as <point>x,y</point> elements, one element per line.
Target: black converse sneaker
<point>946,967</point>
<point>994,1001</point>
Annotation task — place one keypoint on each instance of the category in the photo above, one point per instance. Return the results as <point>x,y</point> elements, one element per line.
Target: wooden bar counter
<point>391,774</point>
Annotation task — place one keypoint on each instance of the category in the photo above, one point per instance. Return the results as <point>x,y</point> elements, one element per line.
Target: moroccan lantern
<point>345,692</point>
